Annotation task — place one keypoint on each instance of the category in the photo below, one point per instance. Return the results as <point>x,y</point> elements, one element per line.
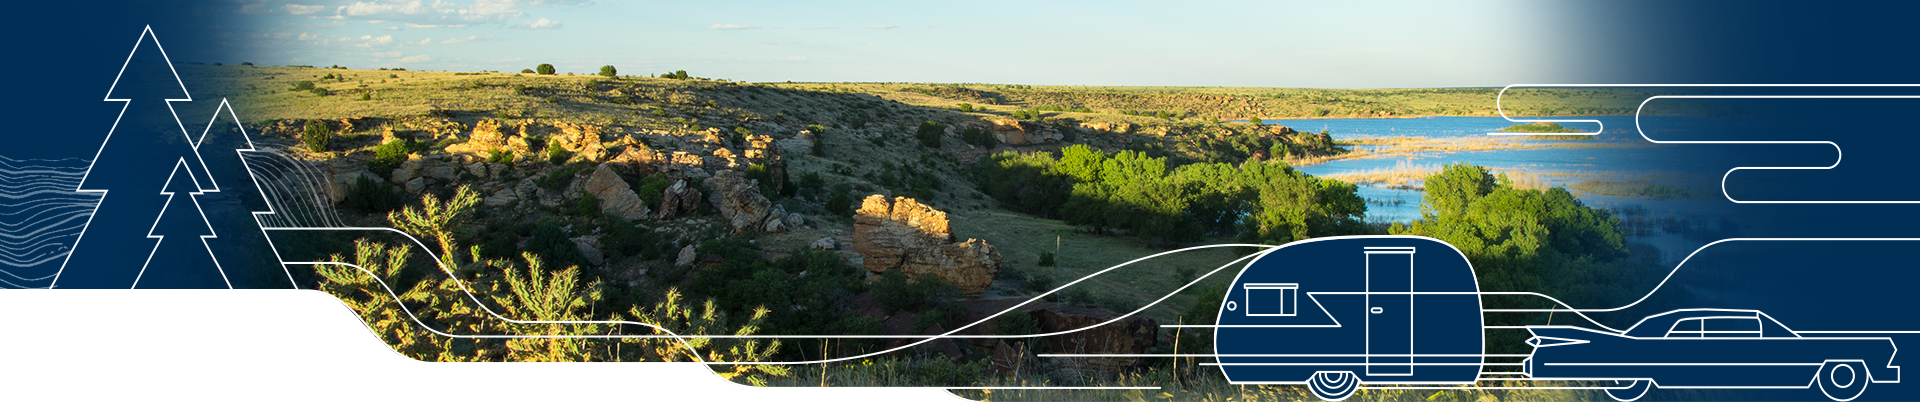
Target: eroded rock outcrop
<point>905,235</point>
<point>614,194</point>
<point>739,202</point>
<point>679,200</point>
<point>1018,132</point>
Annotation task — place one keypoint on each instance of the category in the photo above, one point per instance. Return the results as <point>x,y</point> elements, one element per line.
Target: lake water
<point>1627,156</point>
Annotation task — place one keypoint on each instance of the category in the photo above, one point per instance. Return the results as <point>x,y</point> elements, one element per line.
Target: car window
<point>1688,328</point>
<point>1731,327</point>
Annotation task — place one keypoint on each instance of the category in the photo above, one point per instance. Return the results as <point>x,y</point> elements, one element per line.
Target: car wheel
<point>1843,380</point>
<point>1333,386</point>
<point>1628,390</point>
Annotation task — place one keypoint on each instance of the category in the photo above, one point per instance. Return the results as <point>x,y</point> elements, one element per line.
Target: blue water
<point>1629,157</point>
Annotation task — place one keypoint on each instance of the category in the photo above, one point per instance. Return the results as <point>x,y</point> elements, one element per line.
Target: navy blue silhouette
<point>1711,348</point>
<point>145,143</point>
<point>1337,312</point>
<point>181,259</point>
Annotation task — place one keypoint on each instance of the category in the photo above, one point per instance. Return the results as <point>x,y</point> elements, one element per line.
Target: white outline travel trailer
<point>1337,312</point>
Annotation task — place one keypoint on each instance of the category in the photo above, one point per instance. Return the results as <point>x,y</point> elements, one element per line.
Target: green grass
<point>1639,189</point>
<point>1022,238</point>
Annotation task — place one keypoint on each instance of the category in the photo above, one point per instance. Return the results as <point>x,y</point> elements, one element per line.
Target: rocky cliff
<point>905,235</point>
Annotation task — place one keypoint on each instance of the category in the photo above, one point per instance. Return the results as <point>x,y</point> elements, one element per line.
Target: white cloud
<point>308,37</point>
<point>416,59</point>
<point>732,26</point>
<point>423,42</point>
<point>393,54</point>
<point>539,24</point>
<point>300,9</point>
<point>369,41</point>
<point>469,38</point>
<point>377,8</point>
<point>413,25</point>
<point>879,27</point>
<point>393,28</point>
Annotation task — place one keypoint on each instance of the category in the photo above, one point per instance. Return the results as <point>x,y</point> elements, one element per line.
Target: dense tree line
<point>1141,195</point>
<point>1527,240</point>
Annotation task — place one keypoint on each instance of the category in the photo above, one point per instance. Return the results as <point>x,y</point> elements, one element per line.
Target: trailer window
<point>1272,299</point>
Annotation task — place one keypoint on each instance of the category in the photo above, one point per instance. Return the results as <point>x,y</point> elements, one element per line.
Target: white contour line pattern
<point>240,154</point>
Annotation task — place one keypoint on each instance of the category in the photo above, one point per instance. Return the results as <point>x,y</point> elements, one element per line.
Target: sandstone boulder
<point>825,243</point>
<point>417,185</point>
<point>739,201</point>
<point>589,247</point>
<point>614,194</point>
<point>803,141</point>
<point>903,234</point>
<point>1131,335</point>
<point>503,198</point>
<point>679,200</point>
<point>490,135</point>
<point>686,257</point>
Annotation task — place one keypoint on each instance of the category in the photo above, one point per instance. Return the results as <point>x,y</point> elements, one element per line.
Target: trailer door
<point>1389,311</point>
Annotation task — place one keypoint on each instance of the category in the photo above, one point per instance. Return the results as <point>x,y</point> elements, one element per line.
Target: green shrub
<point>929,134</point>
<point>1184,275</point>
<point>621,239</point>
<point>587,206</point>
<point>1046,259</point>
<point>965,107</point>
<point>526,71</point>
<point>303,85</point>
<point>819,147</point>
<point>499,157</point>
<point>316,135</point>
<point>609,71</point>
<point>366,96</point>
<point>560,177</point>
<point>552,244</point>
<point>319,92</point>
<point>502,239</point>
<point>916,293</point>
<point>839,204</point>
<point>544,68</point>
<point>388,156</point>
<point>651,188</point>
<point>369,196</point>
<point>1040,283</point>
<point>978,137</point>
<point>811,182</point>
<point>557,154</point>
<point>520,89</point>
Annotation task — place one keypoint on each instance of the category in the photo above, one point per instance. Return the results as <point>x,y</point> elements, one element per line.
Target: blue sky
<point>1267,44</point>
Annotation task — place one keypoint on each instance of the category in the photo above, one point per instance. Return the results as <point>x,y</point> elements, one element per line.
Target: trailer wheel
<point>1629,390</point>
<point>1333,386</point>
<point>1843,380</point>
